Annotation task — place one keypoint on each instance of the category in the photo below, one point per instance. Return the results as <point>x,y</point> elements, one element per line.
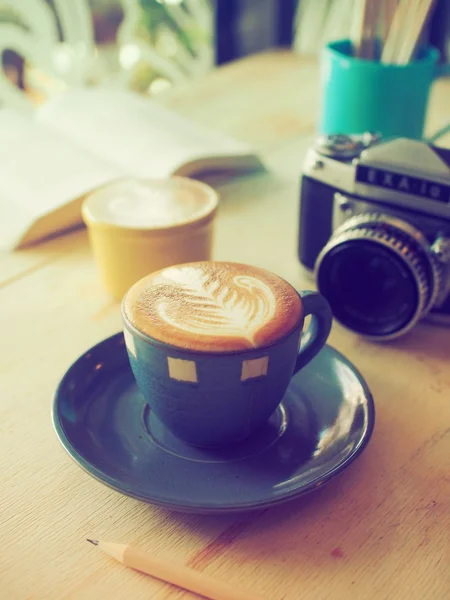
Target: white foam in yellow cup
<point>140,226</point>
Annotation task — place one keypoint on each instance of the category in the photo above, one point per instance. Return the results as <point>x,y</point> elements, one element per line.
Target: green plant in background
<point>157,14</point>
<point>165,42</point>
<point>146,45</point>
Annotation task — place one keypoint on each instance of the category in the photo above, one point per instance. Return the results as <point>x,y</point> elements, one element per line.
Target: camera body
<point>375,230</point>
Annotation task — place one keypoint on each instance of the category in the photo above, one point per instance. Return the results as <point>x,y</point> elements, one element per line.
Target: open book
<point>86,138</point>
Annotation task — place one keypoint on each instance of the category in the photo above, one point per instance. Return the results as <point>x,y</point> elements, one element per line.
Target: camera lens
<point>378,279</point>
<point>368,288</point>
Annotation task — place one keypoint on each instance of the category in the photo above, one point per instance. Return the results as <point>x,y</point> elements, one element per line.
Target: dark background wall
<point>247,26</point>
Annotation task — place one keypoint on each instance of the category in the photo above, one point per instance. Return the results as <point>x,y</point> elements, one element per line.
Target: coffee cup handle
<point>315,336</point>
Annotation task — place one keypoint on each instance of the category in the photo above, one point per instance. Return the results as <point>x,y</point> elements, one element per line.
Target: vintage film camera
<point>375,231</point>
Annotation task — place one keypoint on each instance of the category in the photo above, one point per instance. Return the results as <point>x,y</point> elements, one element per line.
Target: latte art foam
<point>213,306</point>
<point>239,307</point>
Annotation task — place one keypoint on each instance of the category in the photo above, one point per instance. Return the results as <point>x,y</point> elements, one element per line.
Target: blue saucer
<point>324,422</point>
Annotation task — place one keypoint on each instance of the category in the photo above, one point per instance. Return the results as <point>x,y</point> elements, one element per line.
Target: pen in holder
<point>380,83</point>
<point>361,95</point>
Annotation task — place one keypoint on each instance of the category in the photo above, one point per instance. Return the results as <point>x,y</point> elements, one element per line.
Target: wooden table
<point>380,530</point>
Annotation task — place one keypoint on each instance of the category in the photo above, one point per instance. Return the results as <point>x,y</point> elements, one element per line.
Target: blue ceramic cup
<point>217,398</point>
<point>360,95</point>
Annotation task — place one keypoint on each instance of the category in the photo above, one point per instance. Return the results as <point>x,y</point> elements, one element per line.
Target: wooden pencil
<point>395,32</point>
<point>359,41</point>
<point>176,574</point>
<point>370,30</point>
<point>388,11</point>
<point>408,22</point>
<point>419,17</point>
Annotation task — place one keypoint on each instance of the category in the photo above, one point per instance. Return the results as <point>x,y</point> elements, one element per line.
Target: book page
<point>139,135</point>
<point>40,172</point>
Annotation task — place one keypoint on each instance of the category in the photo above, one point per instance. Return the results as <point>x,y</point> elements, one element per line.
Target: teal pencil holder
<point>359,95</point>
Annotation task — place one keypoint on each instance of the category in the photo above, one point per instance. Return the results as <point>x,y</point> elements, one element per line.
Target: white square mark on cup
<point>182,370</point>
<point>255,367</point>
<point>129,342</point>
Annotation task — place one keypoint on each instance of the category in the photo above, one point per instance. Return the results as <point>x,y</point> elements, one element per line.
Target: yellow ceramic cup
<point>140,226</point>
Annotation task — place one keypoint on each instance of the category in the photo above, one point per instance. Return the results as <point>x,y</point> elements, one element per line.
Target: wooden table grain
<point>380,530</point>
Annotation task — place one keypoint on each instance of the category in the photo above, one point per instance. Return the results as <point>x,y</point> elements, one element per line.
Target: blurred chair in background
<point>146,45</point>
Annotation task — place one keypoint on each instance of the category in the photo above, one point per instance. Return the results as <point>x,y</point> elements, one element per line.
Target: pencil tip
<point>95,542</point>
